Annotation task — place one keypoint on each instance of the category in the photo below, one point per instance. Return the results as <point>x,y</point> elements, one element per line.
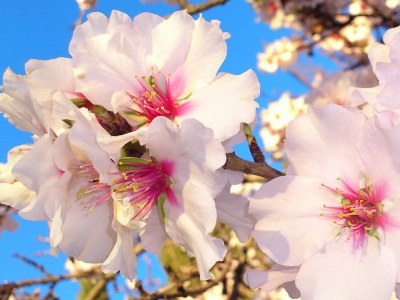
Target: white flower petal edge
<point>38,180</point>
<point>122,257</point>
<point>209,104</point>
<point>233,211</point>
<point>27,100</point>
<point>143,74</point>
<point>343,274</point>
<point>187,157</point>
<point>277,276</point>
<point>311,143</point>
<point>289,228</point>
<point>338,223</point>
<point>191,216</point>
<point>12,192</point>
<point>385,61</point>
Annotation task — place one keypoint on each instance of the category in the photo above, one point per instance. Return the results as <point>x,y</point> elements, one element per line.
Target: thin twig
<point>197,8</point>
<point>32,263</point>
<point>99,286</point>
<point>6,289</point>
<point>255,150</point>
<point>236,163</point>
<point>184,292</point>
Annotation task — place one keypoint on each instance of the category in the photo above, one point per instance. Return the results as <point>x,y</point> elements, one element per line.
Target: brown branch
<point>99,286</point>
<point>235,294</point>
<point>255,150</point>
<point>184,292</point>
<point>236,163</point>
<point>32,263</point>
<point>7,289</point>
<point>197,8</point>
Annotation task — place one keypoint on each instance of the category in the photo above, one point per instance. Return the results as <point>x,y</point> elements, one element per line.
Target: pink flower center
<point>143,182</point>
<point>360,210</point>
<point>156,96</point>
<point>94,192</point>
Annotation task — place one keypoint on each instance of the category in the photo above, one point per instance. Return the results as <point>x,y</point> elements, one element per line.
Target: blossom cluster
<point>275,119</point>
<point>332,224</point>
<point>342,28</point>
<point>130,137</point>
<point>130,141</point>
<point>332,88</point>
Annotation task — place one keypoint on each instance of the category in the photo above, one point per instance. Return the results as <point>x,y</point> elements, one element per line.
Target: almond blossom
<point>28,101</point>
<point>170,191</point>
<point>386,65</point>
<point>278,279</point>
<point>151,66</point>
<point>334,88</point>
<point>12,192</point>
<point>275,119</point>
<point>96,174</point>
<point>343,231</point>
<point>280,54</point>
<point>91,190</point>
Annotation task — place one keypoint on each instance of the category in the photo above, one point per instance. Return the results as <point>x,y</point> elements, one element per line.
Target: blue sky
<point>41,29</point>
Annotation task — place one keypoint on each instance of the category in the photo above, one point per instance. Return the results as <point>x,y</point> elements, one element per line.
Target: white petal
<point>114,144</point>
<point>378,53</point>
<point>206,53</point>
<point>12,192</point>
<point>39,180</point>
<point>325,137</point>
<point>106,68</point>
<point>375,142</point>
<point>185,231</point>
<point>97,24</point>
<point>225,103</point>
<point>171,41</point>
<point>341,272</point>
<point>83,135</point>
<point>233,211</point>
<point>153,235</point>
<point>192,149</point>
<point>143,25</point>
<point>361,95</point>
<point>84,230</point>
<point>122,257</point>
<point>15,195</point>
<point>49,75</point>
<point>289,226</point>
<point>390,235</point>
<point>271,279</point>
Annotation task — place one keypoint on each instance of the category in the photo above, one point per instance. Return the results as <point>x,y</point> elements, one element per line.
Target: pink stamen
<point>155,98</point>
<point>144,183</point>
<point>360,211</point>
<point>95,192</point>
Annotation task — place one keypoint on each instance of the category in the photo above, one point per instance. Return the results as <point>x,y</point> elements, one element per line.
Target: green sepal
<point>248,132</point>
<point>68,122</point>
<point>98,109</point>
<point>186,97</point>
<point>372,231</point>
<point>133,149</point>
<point>135,117</point>
<point>79,102</point>
<point>122,163</point>
<point>160,203</point>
